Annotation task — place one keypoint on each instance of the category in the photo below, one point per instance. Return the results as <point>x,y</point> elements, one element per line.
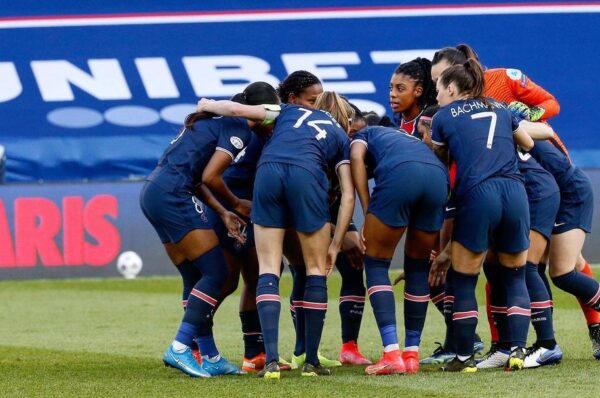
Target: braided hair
<point>419,69</point>
<point>295,84</point>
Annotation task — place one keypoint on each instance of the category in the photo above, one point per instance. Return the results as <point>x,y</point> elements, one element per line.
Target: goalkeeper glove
<point>519,110</point>
<point>536,113</point>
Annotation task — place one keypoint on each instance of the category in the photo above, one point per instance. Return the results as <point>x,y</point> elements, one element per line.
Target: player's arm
<point>231,220</point>
<point>523,139</point>
<point>358,152</point>
<point>344,213</point>
<point>542,104</point>
<point>212,177</point>
<point>537,131</point>
<point>230,108</point>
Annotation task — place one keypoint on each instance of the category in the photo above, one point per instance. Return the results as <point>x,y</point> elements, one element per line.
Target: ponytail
<point>468,78</point>
<point>455,55</point>
<point>468,52</point>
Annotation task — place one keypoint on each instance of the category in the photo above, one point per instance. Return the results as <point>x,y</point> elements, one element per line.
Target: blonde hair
<point>337,106</point>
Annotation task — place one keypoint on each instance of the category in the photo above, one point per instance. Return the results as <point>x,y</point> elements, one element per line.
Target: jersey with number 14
<point>479,139</point>
<point>308,138</point>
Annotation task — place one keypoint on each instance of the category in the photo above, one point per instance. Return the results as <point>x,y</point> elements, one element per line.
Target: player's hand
<point>400,278</point>
<point>332,253</point>
<point>519,110</point>
<point>243,207</point>
<point>536,113</point>
<point>439,269</point>
<point>234,223</point>
<point>353,247</point>
<point>201,103</point>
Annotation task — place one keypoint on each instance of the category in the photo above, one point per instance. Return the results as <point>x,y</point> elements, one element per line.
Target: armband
<point>271,113</point>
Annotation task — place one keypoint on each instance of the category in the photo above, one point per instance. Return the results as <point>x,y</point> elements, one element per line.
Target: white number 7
<point>493,116</point>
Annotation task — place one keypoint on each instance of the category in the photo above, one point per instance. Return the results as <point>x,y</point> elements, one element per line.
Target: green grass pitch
<point>105,338</point>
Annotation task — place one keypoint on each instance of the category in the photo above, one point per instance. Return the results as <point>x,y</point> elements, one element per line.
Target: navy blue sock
<point>315,307</point>
<point>518,305</point>
<point>436,294</point>
<point>581,286</point>
<point>253,337</point>
<point>416,299</point>
<point>204,297</point>
<point>498,309</point>
<point>542,272</point>
<point>541,305</point>
<point>296,299</point>
<point>381,296</point>
<point>268,304</point>
<point>207,346</point>
<point>186,334</point>
<point>352,298</point>
<point>465,313</point>
<point>448,309</point>
<point>190,276</point>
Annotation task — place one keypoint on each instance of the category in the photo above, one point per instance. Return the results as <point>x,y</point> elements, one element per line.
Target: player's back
<point>308,138</point>
<point>539,183</point>
<point>479,137</point>
<point>240,175</point>
<point>184,160</point>
<point>390,147</point>
<point>553,160</point>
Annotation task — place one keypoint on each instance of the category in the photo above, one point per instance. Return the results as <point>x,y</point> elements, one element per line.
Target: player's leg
<point>351,306</point>
<point>381,241</point>
<point>592,316</point>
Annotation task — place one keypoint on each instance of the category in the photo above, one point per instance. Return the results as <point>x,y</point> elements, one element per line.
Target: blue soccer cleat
<point>478,345</point>
<point>220,367</point>
<point>540,356</point>
<point>439,357</point>
<point>185,362</point>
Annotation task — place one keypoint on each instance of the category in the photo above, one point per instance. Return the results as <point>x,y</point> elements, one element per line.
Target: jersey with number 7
<point>309,138</point>
<point>479,137</point>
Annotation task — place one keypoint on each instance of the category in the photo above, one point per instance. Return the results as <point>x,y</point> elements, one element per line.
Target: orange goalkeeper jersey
<point>508,85</point>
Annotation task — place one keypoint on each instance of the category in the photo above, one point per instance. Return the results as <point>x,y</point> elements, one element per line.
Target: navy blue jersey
<point>553,160</point>
<point>308,138</point>
<point>480,140</point>
<point>390,147</point>
<point>539,183</point>
<point>183,162</point>
<point>240,175</point>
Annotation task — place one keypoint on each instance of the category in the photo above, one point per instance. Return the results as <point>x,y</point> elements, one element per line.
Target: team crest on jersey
<point>236,142</point>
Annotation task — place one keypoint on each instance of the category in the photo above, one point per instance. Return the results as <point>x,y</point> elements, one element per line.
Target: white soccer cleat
<point>495,358</point>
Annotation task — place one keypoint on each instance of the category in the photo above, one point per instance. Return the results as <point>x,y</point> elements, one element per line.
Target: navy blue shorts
<point>286,195</point>
<point>411,195</point>
<point>542,214</point>
<point>495,212</point>
<point>576,205</point>
<point>173,215</point>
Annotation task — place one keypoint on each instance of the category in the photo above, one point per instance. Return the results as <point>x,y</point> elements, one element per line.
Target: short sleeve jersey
<point>539,183</point>
<point>479,139</point>
<point>308,138</point>
<point>183,162</point>
<point>242,171</point>
<point>390,147</point>
<point>553,160</point>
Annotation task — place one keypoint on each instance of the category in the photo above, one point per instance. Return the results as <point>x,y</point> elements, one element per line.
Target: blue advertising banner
<point>97,91</point>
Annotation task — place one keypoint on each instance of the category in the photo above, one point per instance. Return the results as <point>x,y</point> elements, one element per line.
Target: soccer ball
<point>129,264</point>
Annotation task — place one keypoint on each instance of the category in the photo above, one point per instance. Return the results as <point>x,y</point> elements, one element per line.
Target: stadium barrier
<point>91,229</point>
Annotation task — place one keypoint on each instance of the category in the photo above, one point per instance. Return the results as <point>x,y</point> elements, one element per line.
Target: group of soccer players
<point>467,168</point>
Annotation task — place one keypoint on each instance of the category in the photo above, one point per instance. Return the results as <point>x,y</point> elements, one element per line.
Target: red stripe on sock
<point>418,299</point>
<point>314,306</point>
<point>356,299</point>
<point>267,297</point>
<point>518,311</point>
<point>204,297</point>
<point>464,315</point>
<point>438,298</point>
<point>379,288</point>
<point>542,304</point>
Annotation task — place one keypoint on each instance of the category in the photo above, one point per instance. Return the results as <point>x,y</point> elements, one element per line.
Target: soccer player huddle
<point>468,169</point>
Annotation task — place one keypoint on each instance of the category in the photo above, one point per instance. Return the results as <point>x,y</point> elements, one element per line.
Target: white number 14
<point>321,133</point>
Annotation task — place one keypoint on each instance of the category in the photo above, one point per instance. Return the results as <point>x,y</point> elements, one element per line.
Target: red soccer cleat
<point>349,355</point>
<point>254,364</point>
<point>197,355</point>
<point>391,363</point>
<point>411,361</point>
